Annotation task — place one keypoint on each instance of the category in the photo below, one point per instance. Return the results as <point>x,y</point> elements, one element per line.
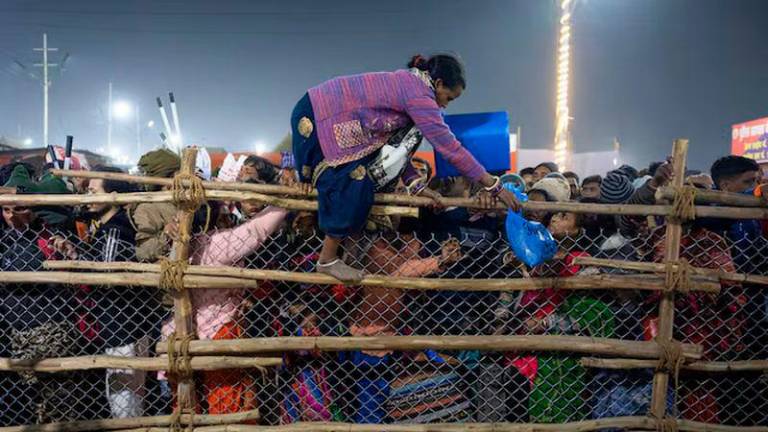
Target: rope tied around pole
<point>180,367</point>
<point>188,195</point>
<point>671,358</point>
<point>179,364</point>
<point>677,276</point>
<point>188,192</point>
<point>671,361</point>
<point>172,275</point>
<point>684,205</point>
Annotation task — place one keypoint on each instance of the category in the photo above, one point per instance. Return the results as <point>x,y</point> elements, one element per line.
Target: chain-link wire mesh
<point>382,387</point>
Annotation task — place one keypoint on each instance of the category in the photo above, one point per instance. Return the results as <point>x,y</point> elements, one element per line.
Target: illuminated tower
<point>562,113</point>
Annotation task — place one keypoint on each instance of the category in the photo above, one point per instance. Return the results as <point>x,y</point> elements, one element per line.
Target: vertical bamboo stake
<point>182,306</point>
<point>667,305</point>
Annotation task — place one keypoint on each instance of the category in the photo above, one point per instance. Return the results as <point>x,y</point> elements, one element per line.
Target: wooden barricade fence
<point>666,355</point>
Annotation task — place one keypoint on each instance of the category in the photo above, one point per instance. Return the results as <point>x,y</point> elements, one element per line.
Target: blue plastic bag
<point>530,241</point>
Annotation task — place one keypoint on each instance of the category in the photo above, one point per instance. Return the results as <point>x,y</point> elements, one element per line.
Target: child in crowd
<point>307,394</point>
<point>380,310</point>
<point>552,189</point>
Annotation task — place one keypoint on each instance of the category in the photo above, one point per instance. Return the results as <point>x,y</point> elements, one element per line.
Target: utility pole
<point>109,119</point>
<point>46,83</point>
<point>138,130</point>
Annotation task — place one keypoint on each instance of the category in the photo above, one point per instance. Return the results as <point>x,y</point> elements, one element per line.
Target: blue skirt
<point>345,192</point>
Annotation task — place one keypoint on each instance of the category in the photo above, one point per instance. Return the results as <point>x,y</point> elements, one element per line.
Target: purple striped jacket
<point>355,115</point>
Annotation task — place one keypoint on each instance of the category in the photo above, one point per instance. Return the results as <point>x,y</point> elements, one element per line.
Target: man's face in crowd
<point>739,183</point>
<point>540,172</point>
<point>590,190</point>
<point>96,186</point>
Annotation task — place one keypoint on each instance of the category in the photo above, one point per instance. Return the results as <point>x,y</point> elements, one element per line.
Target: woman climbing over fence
<point>340,125</point>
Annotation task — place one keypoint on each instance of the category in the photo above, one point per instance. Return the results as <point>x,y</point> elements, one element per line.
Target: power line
<point>19,65</point>
<point>300,32</point>
<point>197,13</point>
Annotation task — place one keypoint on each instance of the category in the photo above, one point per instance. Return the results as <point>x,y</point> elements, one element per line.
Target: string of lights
<point>562,111</point>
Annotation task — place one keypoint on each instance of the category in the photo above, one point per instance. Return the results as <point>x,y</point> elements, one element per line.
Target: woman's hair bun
<point>418,61</point>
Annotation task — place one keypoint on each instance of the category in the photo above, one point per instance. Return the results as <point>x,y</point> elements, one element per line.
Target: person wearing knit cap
<point>151,219</point>
<point>616,188</point>
<point>159,163</point>
<point>555,187</point>
<point>627,171</point>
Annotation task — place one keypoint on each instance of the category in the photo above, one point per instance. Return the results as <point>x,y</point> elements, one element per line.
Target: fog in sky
<point>645,71</point>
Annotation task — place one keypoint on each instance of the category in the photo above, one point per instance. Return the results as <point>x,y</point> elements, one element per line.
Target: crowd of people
<point>352,137</point>
<point>46,320</point>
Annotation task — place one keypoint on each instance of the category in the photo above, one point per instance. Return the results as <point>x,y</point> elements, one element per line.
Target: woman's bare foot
<point>341,271</point>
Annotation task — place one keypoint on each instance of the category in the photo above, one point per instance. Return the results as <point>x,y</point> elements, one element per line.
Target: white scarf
<point>423,76</point>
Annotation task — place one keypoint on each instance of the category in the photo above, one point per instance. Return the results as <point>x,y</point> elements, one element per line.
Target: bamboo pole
<point>257,189</point>
<point>293,204</point>
<point>66,364</point>
<point>124,280</point>
<point>647,210</point>
<point>641,282</point>
<point>135,422</point>
<point>115,198</point>
<point>183,318</point>
<point>381,198</point>
<point>667,304</point>
<point>659,268</point>
<point>406,200</point>
<point>698,366</point>
<point>704,196</point>
<point>579,344</point>
<point>623,423</point>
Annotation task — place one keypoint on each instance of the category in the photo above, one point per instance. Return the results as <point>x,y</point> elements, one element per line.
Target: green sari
<point>557,394</point>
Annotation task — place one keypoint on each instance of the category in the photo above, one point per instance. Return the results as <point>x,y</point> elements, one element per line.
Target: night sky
<point>645,71</point>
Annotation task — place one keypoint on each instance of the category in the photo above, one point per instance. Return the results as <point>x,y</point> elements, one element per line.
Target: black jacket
<point>125,313</point>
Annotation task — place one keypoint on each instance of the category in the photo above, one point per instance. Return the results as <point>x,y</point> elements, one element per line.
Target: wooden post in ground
<point>182,306</point>
<point>667,305</point>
